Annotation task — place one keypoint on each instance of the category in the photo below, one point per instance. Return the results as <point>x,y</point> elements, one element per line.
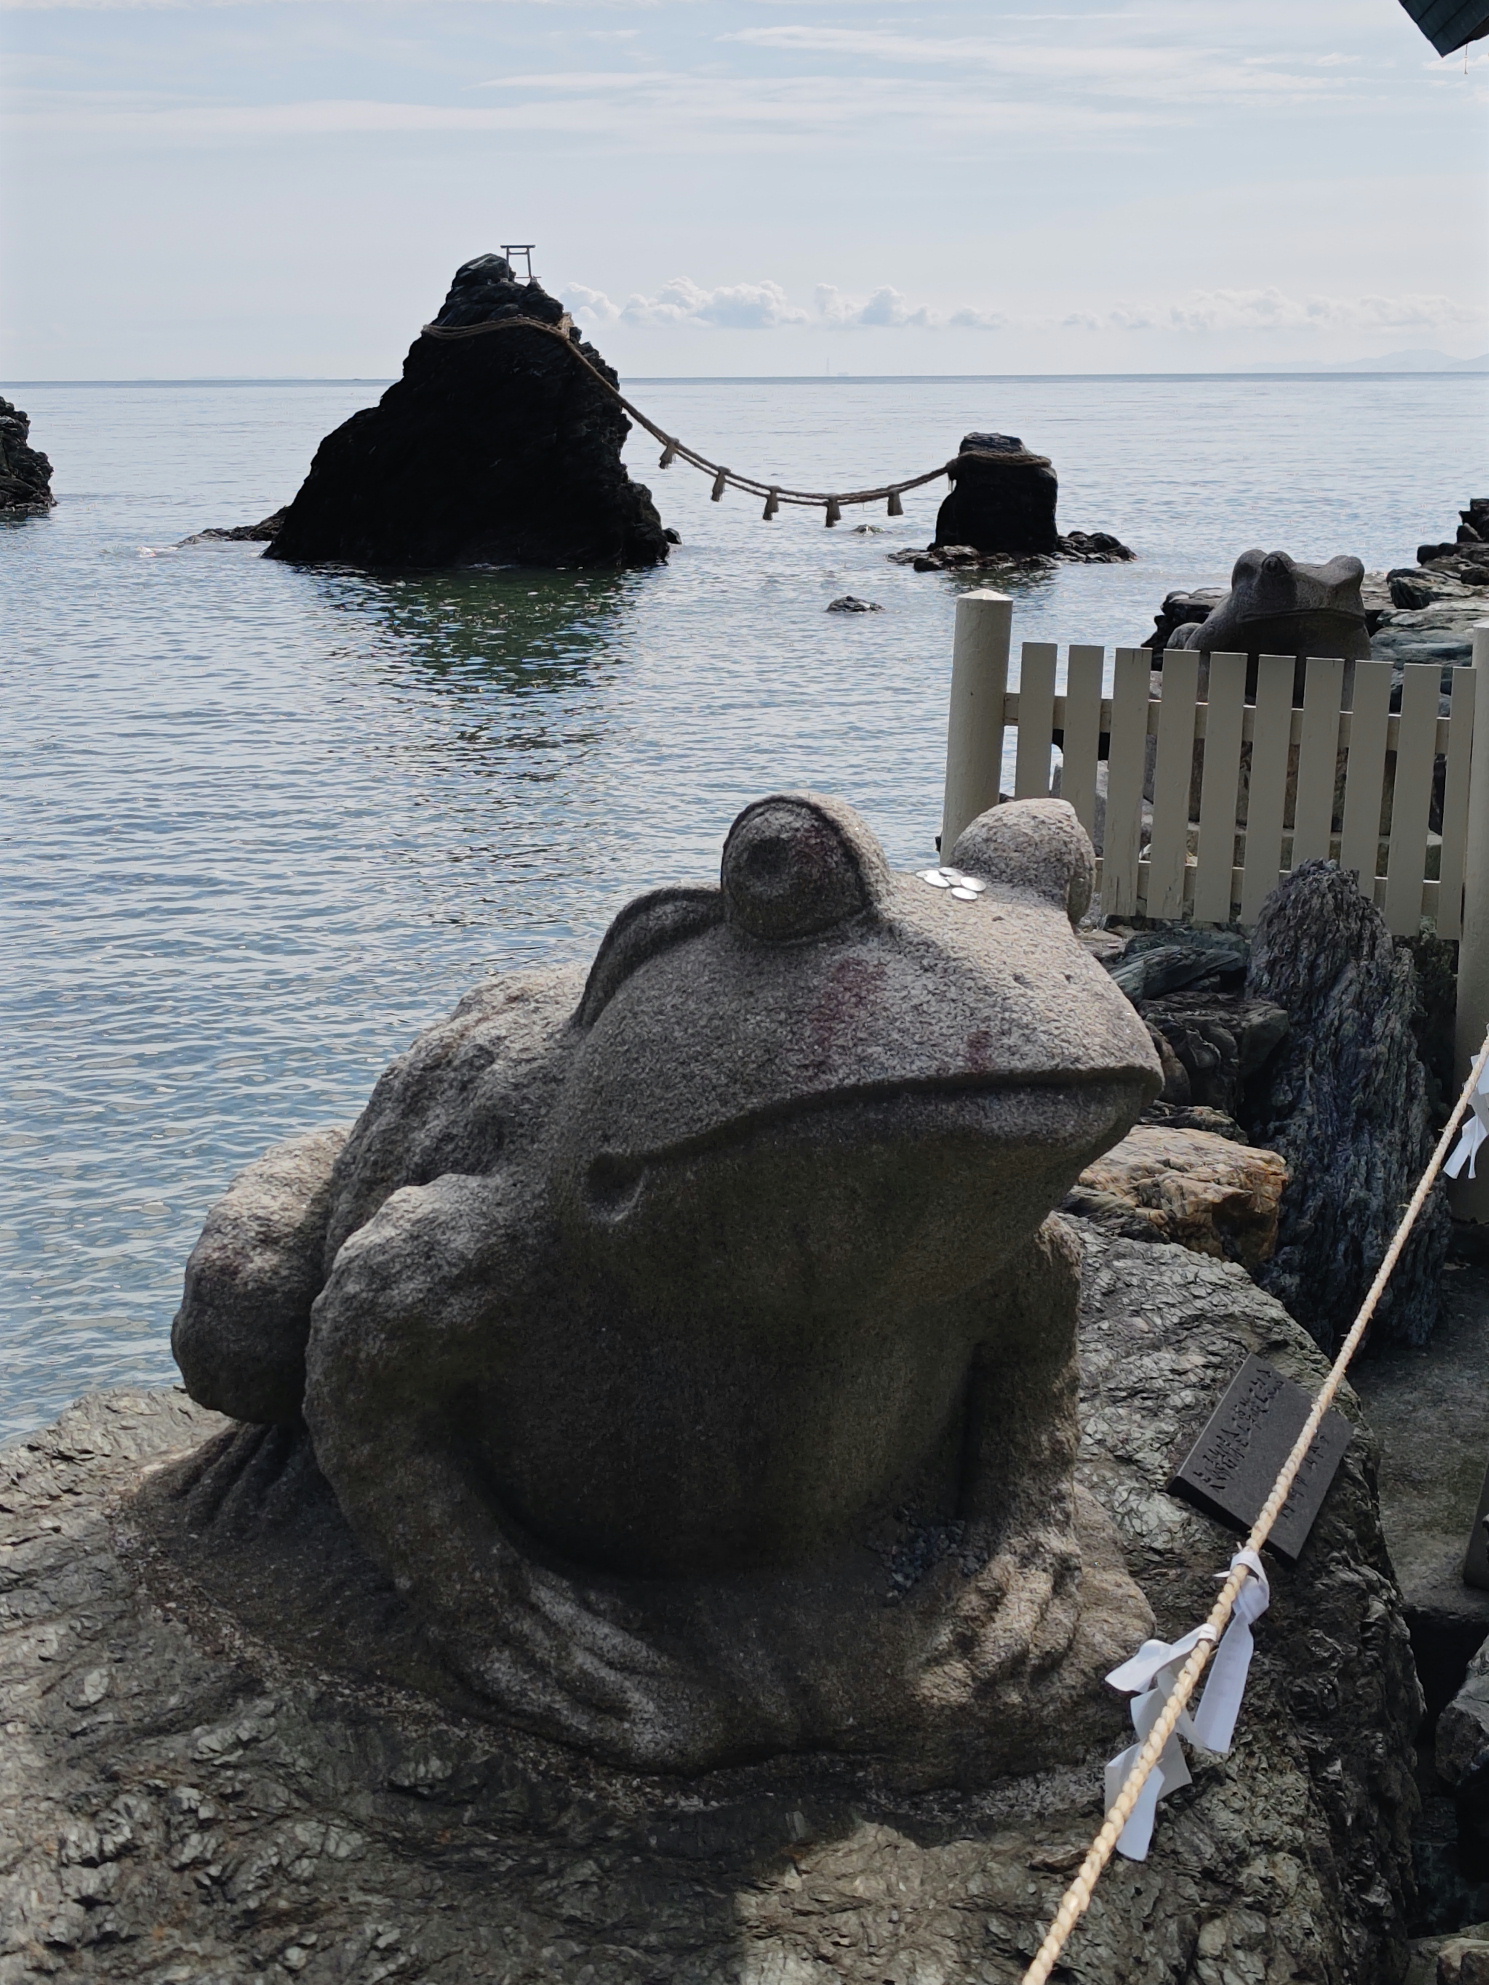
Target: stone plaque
<point>1230,1470</point>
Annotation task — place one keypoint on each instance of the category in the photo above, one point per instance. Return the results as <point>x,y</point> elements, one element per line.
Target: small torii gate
<point>522,248</point>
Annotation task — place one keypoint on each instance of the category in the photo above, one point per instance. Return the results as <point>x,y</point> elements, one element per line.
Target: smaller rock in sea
<point>849,603</point>
<point>261,533</point>
<point>1093,548</point>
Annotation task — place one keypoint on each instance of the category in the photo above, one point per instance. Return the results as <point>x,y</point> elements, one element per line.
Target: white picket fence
<point>1210,798</point>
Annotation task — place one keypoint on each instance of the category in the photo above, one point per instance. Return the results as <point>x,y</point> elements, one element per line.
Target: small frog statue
<point>691,1339</point>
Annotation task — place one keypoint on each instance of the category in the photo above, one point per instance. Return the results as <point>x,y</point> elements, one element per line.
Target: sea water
<point>263,825</point>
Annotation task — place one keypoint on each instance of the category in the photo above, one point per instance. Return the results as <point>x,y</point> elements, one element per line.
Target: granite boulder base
<point>496,448</point>
<point>209,1776</point>
<point>689,1339</point>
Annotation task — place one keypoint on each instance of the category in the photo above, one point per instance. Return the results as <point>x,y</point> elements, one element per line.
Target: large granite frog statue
<point>691,1339</point>
<point>1277,605</point>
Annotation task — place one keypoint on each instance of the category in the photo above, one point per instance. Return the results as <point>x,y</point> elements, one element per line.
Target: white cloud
<point>766,306</point>
<point>732,307</point>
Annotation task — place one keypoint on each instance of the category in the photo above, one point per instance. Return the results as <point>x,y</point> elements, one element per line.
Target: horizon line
<point>801,378</point>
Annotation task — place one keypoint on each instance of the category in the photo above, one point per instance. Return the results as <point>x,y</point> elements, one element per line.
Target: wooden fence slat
<point>1455,804</point>
<point>1217,793</point>
<point>1267,800</point>
<point>1318,759</point>
<point>1122,841</point>
<point>1031,770</point>
<point>1168,847</point>
<point>1364,782</point>
<point>1412,797</point>
<point>1082,732</point>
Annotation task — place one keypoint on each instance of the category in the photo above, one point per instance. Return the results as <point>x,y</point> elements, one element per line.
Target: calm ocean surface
<point>262,825</point>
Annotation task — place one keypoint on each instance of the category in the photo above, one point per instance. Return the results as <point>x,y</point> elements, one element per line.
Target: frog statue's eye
<point>1037,847</point>
<point>796,864</point>
<point>653,923</point>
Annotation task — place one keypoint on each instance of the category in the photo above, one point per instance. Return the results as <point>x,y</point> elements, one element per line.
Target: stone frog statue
<point>691,1341</point>
<point>1279,606</point>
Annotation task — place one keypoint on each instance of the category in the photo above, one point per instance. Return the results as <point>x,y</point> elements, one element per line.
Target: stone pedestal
<point>206,1777</point>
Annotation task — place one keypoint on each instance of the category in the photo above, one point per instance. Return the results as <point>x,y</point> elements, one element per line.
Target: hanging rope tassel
<point>834,514</point>
<point>669,455</point>
<point>720,484</point>
<point>894,508</point>
<point>772,504</point>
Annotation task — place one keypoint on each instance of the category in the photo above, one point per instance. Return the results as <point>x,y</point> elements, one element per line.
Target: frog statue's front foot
<point>691,1340</point>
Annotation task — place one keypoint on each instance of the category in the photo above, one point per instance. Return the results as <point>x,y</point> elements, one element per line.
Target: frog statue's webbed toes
<point>239,1335</point>
<point>575,1674</point>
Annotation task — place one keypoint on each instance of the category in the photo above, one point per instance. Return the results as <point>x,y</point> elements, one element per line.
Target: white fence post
<point>974,729</point>
<point>1470,1197</point>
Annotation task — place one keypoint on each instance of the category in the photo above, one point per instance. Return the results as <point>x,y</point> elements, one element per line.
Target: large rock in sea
<point>210,1774</point>
<point>1002,498</point>
<point>25,473</point>
<point>1345,1100</point>
<point>496,448</point>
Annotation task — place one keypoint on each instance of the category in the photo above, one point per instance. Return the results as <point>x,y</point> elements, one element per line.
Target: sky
<point>283,188</point>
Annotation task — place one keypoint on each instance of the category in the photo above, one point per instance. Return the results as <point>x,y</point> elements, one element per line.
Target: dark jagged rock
<point>25,473</point>
<point>494,449</point>
<point>1220,1040</point>
<point>1079,548</point>
<point>1183,608</point>
<point>264,532</point>
<point>1163,961</point>
<point>1093,548</point>
<point>1002,498</point>
<point>850,603</point>
<point>1473,531</point>
<point>1346,1102</point>
<point>200,1781</point>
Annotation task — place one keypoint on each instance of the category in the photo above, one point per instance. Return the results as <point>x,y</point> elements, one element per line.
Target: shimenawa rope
<point>1077,1898</point>
<point>675,450</point>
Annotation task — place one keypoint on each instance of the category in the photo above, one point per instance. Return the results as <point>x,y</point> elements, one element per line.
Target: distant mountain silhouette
<point>1409,361</point>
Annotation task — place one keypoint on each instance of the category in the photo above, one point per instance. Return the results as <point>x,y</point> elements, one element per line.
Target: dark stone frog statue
<point>1277,605</point>
<point>690,1341</point>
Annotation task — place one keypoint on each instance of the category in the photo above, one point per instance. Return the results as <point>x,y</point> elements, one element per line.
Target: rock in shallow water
<point>201,1780</point>
<point>498,448</point>
<point>25,473</point>
<point>1002,498</point>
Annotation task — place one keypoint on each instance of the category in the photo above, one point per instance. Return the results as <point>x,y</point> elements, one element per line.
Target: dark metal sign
<point>1230,1470</point>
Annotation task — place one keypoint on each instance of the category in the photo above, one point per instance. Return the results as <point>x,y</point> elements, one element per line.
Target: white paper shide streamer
<point>1150,1677</point>
<point>1475,1132</point>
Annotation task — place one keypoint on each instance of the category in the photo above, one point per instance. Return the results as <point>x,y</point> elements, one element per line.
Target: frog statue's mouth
<point>1057,1121</point>
<point>911,1190</point>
